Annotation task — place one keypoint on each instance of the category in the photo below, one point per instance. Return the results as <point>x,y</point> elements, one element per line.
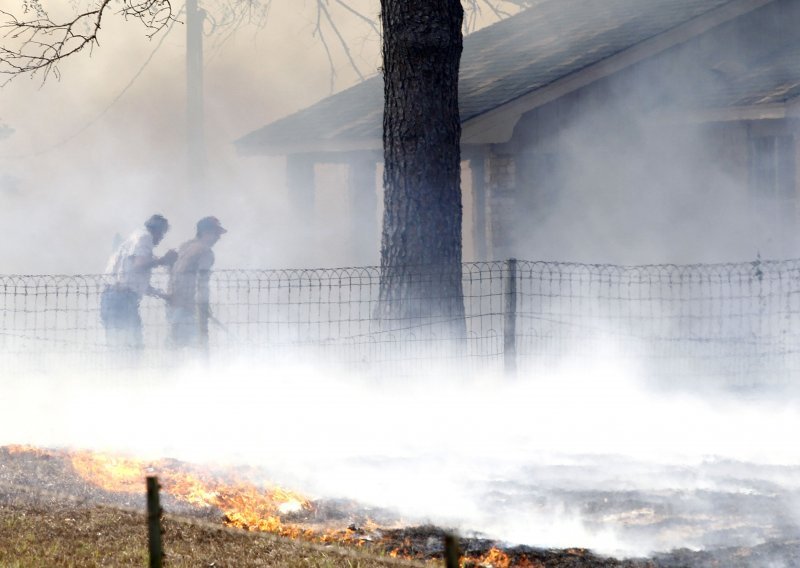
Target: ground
<point>49,516</point>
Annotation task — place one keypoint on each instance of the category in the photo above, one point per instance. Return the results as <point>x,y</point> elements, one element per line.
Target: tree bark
<point>421,238</point>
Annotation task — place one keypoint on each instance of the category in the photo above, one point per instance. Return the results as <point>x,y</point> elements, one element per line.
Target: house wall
<point>652,193</point>
<point>338,210</point>
<point>627,171</point>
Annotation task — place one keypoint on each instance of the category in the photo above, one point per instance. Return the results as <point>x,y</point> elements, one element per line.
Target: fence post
<point>154,523</point>
<point>451,551</point>
<point>510,318</point>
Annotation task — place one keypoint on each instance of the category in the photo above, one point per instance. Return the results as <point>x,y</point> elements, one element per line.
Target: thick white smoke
<point>515,459</point>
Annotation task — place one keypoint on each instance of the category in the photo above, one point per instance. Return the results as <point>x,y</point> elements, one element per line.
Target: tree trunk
<point>421,240</point>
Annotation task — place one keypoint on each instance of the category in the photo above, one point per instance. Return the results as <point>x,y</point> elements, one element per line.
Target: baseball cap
<point>210,224</point>
<point>156,222</point>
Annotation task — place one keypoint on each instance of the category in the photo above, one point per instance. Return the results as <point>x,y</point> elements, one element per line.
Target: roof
<point>766,72</point>
<point>515,60</point>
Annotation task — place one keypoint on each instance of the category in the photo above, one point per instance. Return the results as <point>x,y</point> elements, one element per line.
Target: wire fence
<point>738,322</point>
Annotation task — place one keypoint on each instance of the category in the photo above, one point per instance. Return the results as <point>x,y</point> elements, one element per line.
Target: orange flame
<point>243,505</point>
<point>496,558</point>
<point>25,449</point>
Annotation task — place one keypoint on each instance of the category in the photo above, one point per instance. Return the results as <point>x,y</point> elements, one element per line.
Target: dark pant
<point>119,311</point>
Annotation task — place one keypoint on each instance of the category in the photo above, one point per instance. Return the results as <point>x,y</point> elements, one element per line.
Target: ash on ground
<point>741,515</point>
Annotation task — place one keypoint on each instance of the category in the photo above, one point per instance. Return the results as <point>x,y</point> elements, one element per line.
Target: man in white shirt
<point>129,270</point>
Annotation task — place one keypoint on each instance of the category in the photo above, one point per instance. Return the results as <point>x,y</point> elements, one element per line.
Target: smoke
<point>627,175</point>
<point>640,168</point>
<point>583,456</point>
<point>94,152</point>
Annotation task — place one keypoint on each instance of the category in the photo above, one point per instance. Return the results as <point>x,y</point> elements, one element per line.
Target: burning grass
<point>104,536</point>
<point>60,508</point>
<point>82,509</point>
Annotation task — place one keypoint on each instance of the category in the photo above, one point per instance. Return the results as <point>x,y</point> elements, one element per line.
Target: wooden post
<point>478,171</point>
<point>510,318</point>
<point>300,183</point>
<point>154,523</point>
<point>502,201</point>
<point>195,129</point>
<point>363,196</point>
<point>451,552</point>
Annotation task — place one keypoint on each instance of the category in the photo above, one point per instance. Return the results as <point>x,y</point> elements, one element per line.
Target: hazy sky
<point>91,156</point>
<point>100,147</point>
<point>88,167</point>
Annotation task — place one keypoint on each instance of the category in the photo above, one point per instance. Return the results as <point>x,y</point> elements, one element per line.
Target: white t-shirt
<point>120,265</point>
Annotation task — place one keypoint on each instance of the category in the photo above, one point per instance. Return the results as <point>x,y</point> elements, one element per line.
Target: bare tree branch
<point>369,21</point>
<point>102,112</point>
<point>497,9</point>
<point>228,16</point>
<point>318,32</point>
<point>39,44</point>
<point>342,41</point>
<point>472,10</point>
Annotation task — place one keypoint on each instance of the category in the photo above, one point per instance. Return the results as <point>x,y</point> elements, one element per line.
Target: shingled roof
<point>526,54</point>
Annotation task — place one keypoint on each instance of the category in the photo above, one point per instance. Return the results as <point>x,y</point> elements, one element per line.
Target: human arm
<point>146,262</point>
<point>142,258</point>
<point>168,259</point>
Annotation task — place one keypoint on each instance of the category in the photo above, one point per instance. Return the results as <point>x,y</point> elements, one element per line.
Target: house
<point>627,131</point>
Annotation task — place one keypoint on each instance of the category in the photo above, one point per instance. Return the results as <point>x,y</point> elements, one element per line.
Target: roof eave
<point>741,113</point>
<point>348,146</point>
<point>496,126</point>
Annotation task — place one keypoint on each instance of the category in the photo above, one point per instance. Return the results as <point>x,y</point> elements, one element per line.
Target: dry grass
<point>51,517</point>
<point>63,536</point>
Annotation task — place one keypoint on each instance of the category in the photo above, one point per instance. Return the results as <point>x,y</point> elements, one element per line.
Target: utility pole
<point>195,131</point>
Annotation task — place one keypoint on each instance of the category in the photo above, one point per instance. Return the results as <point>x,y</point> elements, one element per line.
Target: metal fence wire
<point>738,322</point>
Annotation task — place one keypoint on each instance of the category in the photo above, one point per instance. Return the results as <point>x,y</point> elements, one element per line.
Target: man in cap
<point>188,308</point>
<point>129,270</point>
